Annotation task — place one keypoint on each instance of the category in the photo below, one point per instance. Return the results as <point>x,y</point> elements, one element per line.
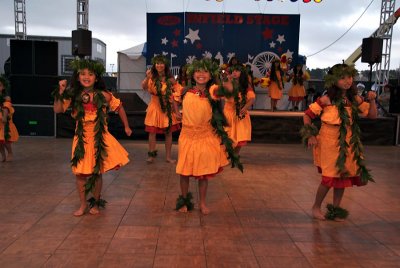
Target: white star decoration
<point>272,44</point>
<point>289,54</point>
<point>193,35</point>
<point>281,38</point>
<point>164,41</point>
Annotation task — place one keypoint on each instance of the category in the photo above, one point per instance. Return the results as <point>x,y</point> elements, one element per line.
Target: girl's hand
<point>371,95</point>
<point>178,116</point>
<point>148,74</point>
<point>128,131</point>
<point>62,84</point>
<point>243,112</point>
<point>312,141</point>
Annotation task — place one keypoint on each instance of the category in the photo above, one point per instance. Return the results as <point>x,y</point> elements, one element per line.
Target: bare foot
<point>80,212</point>
<point>317,214</point>
<point>171,161</point>
<point>150,160</point>
<point>9,158</point>
<point>339,219</point>
<point>94,211</point>
<point>183,209</point>
<point>204,210</point>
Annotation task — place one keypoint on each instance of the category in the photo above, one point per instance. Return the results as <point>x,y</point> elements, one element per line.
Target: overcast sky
<point>121,24</point>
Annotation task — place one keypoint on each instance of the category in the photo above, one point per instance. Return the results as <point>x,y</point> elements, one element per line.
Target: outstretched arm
<point>372,112</point>
<point>124,119</point>
<point>59,103</point>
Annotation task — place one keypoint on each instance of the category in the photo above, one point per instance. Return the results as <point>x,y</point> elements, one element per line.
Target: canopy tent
<point>132,70</point>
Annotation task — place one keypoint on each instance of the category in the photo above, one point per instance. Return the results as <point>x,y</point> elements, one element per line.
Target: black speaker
<point>371,50</point>
<point>394,104</point>
<point>34,121</point>
<point>45,58</point>
<point>81,43</point>
<point>30,57</point>
<point>21,52</point>
<point>33,90</point>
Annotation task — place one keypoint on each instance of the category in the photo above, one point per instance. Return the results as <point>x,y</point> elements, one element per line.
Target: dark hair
<point>273,76</point>
<point>77,88</point>
<point>167,71</point>
<point>182,77</point>
<point>335,93</point>
<point>298,75</point>
<point>234,58</point>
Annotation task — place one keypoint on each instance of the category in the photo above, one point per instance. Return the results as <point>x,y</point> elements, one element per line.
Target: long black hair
<point>336,73</point>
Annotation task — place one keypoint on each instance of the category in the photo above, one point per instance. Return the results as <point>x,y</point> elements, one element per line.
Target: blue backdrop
<point>255,39</point>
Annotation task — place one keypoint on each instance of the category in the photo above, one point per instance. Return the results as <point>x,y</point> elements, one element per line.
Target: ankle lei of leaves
<point>165,100</point>
<point>182,201</point>
<point>308,131</point>
<point>101,203</point>
<point>335,212</point>
<point>152,153</point>
<point>218,122</point>
<point>358,148</point>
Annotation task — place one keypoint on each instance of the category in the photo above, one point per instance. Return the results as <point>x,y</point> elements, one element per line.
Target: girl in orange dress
<point>276,85</point>
<point>337,146</point>
<point>161,114</point>
<point>204,147</point>
<point>236,107</point>
<point>8,131</point>
<point>94,149</point>
<point>297,92</point>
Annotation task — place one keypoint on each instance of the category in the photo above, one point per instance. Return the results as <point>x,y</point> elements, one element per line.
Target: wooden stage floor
<point>258,219</point>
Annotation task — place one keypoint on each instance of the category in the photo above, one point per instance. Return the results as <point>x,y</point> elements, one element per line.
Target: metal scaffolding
<point>20,19</point>
<point>387,20</point>
<point>82,14</point>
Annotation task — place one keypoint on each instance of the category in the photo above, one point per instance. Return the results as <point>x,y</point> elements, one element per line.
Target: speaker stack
<point>371,50</point>
<point>81,43</point>
<point>34,69</point>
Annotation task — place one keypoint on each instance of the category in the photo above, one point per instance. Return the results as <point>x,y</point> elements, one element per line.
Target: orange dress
<point>156,121</point>
<point>200,153</point>
<point>116,156</point>
<point>14,136</point>
<point>297,92</point>
<point>275,91</point>
<point>239,130</point>
<point>326,152</point>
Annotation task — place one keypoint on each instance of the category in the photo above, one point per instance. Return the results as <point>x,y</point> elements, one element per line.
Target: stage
<point>281,127</point>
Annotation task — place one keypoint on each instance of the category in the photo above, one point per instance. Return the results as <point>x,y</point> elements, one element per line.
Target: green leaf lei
<point>100,123</point>
<point>308,131</point>
<point>165,100</point>
<point>218,122</point>
<point>355,142</point>
<point>239,103</point>
<point>7,135</point>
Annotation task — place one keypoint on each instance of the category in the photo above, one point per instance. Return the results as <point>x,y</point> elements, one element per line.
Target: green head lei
<point>92,65</point>
<point>5,83</point>
<point>337,72</point>
<point>237,67</point>
<point>205,65</point>
<point>159,59</point>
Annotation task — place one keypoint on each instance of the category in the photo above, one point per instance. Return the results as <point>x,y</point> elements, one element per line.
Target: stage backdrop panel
<point>255,39</point>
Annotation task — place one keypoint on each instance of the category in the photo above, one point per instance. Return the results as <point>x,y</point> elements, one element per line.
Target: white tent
<point>131,67</point>
<point>132,70</point>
